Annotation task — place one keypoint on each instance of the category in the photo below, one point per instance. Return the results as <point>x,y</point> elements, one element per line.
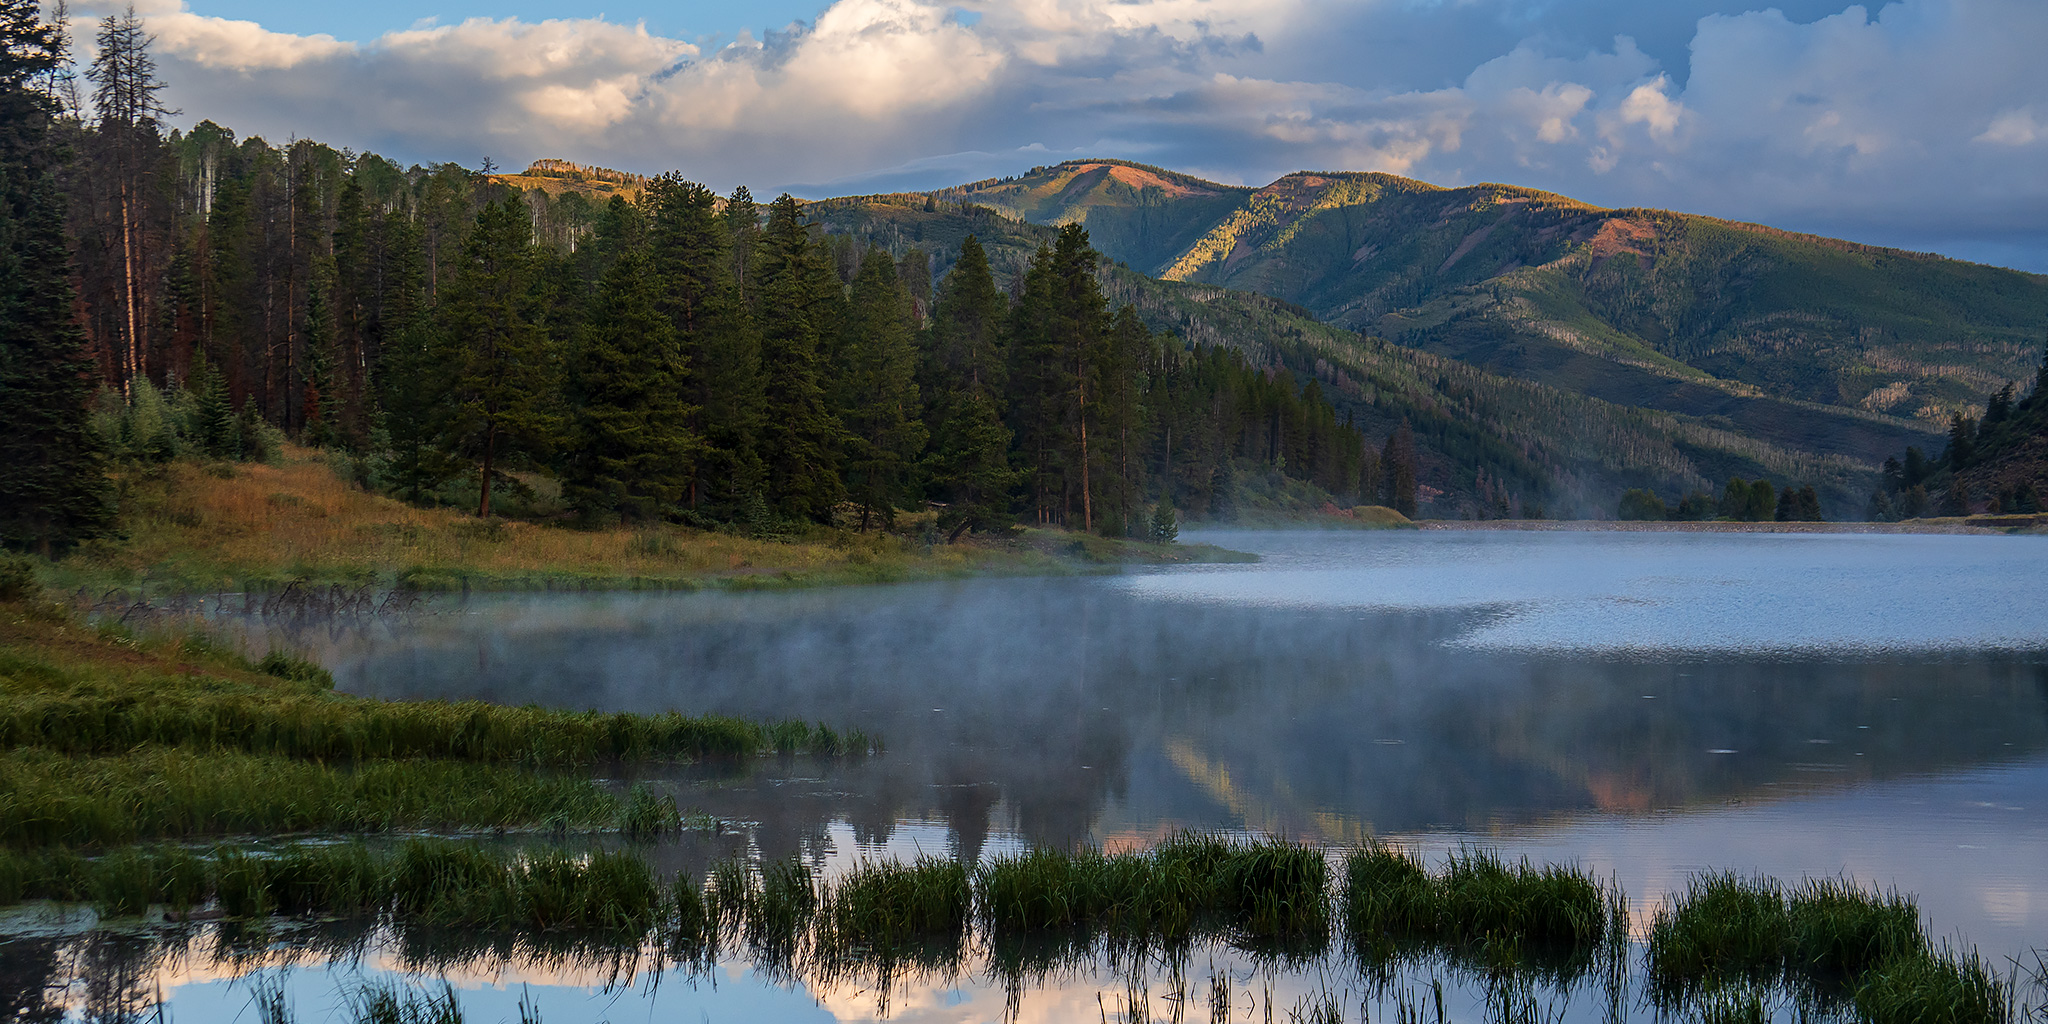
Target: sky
<point>1919,123</point>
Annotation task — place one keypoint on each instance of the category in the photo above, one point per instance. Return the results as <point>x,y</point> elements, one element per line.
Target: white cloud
<point>1920,117</point>
<point>2014,128</point>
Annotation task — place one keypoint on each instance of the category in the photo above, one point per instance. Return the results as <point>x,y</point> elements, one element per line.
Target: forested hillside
<point>653,351</point>
<point>1484,441</point>
<point>1809,343</point>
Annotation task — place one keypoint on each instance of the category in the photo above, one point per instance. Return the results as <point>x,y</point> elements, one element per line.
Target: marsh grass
<point>110,737</point>
<point>1831,940</point>
<point>1723,928</point>
<point>151,793</point>
<point>1933,986</point>
<point>1257,891</point>
<point>1839,930</point>
<point>1505,917</point>
<point>890,906</point>
<point>396,1004</point>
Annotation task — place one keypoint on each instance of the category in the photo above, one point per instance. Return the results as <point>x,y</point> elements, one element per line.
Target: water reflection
<point>1645,704</point>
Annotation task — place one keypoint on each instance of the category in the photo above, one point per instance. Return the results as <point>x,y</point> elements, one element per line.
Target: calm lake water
<point>1646,705</point>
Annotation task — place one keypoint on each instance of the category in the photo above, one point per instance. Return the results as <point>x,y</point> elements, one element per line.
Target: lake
<point>1647,705</point>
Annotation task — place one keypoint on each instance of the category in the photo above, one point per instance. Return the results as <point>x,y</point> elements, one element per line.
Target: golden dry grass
<point>198,526</point>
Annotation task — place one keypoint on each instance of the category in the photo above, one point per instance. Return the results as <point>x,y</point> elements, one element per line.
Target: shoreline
<point>1977,526</point>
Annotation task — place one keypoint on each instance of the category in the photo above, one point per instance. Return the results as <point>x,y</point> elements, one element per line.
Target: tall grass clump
<point>1840,930</point>
<point>647,814</point>
<point>169,793</point>
<point>1933,987</point>
<point>883,907</point>
<point>1553,906</point>
<point>1037,890</point>
<point>1389,897</point>
<point>392,1004</point>
<point>343,879</point>
<point>1722,927</point>
<point>782,908</point>
<point>1269,889</point>
<point>1477,900</point>
<point>1260,890</point>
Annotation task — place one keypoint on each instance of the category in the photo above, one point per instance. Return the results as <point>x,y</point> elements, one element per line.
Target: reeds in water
<point>167,793</point>
<point>1260,890</point>
<point>1391,899</point>
<point>889,906</point>
<point>1721,928</point>
<point>1933,987</point>
<point>1837,929</point>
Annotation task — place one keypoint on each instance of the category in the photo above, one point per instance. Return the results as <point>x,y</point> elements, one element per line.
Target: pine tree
<point>961,377</point>
<point>213,412</point>
<point>964,355</point>
<point>742,218</point>
<point>322,400</point>
<point>53,490</point>
<point>123,74</point>
<point>799,437</point>
<point>412,384</point>
<point>689,249</point>
<point>1127,350</point>
<point>1962,443</point>
<point>632,445</point>
<point>877,392</point>
<point>502,372</point>
<point>1398,489</point>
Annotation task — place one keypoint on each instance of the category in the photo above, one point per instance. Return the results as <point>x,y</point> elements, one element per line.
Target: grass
<point>1042,910</point>
<point>1477,902</point>
<point>48,798</point>
<point>1258,890</point>
<point>1837,929</point>
<point>205,527</point>
<point>111,737</point>
<point>1726,934</point>
<point>68,687</point>
<point>1933,987</point>
<point>888,906</point>
<point>1722,927</point>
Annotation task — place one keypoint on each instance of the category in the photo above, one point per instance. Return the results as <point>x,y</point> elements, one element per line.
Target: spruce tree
<point>412,384</point>
<point>689,248</point>
<point>962,377</point>
<point>53,490</point>
<point>877,391</point>
<point>213,413</point>
<point>502,374</point>
<point>632,447</point>
<point>321,400</point>
<point>1119,460</point>
<point>1398,489</point>
<point>799,439</point>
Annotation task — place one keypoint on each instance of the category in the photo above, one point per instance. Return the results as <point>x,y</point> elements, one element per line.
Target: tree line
<point>1991,464</point>
<point>681,356</point>
<point>1740,501</point>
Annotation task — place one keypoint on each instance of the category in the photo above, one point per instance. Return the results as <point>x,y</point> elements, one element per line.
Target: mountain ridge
<point>1876,346</point>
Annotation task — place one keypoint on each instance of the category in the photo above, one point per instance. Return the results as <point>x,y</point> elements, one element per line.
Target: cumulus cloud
<point>1921,119</point>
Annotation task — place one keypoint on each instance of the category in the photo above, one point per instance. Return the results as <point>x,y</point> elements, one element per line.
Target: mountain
<point>1481,434</point>
<point>1808,343</point>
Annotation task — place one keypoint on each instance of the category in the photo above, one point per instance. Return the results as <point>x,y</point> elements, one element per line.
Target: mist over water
<point>1444,686</point>
<point>1647,705</point>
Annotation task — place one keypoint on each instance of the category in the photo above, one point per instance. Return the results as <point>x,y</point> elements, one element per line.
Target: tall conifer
<point>799,436</point>
<point>877,385</point>
<point>502,372</point>
<point>53,490</point>
<point>632,446</point>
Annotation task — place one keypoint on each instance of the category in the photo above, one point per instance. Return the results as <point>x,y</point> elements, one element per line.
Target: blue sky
<point>1916,123</point>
